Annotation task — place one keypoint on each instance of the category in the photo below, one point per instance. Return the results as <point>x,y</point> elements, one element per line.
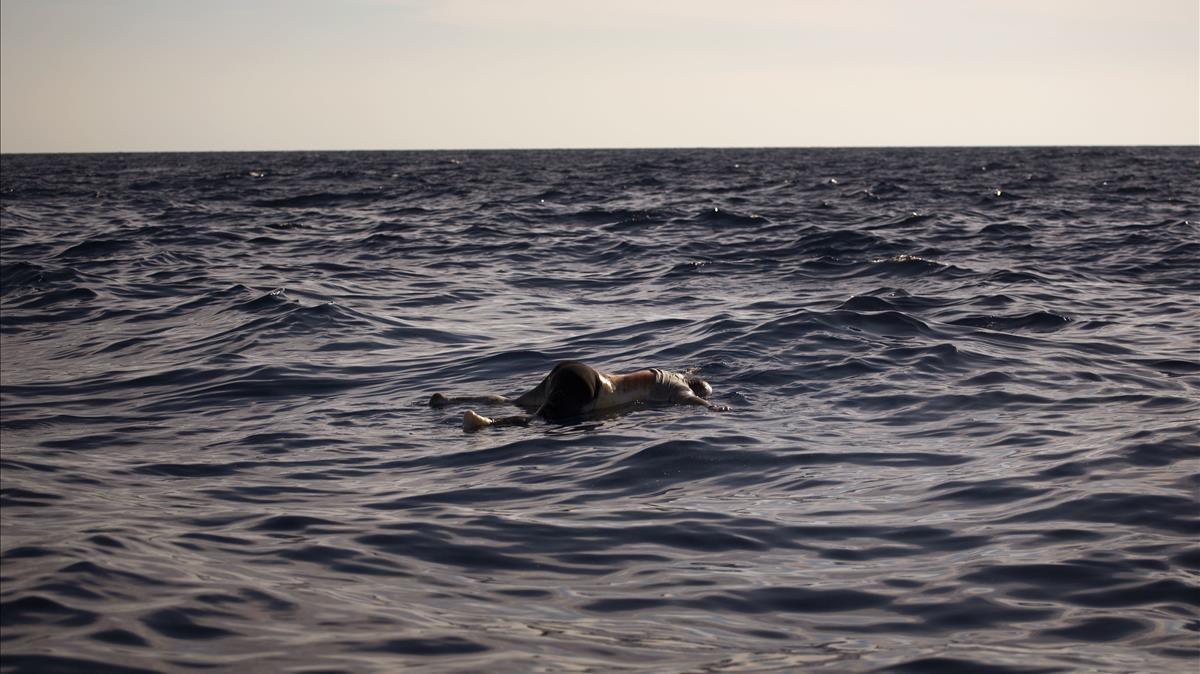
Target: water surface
<point>965,391</point>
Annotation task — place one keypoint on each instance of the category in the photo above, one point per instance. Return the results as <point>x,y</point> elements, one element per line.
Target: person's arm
<point>473,422</point>
<point>689,398</point>
<point>531,400</point>
<point>440,400</point>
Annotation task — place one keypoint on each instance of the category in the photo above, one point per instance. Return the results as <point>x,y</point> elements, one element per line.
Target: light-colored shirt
<point>667,386</point>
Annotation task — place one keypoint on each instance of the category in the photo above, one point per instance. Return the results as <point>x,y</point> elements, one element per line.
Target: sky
<point>215,75</point>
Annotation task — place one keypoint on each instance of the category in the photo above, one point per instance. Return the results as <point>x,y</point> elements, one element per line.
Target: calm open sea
<point>965,433</point>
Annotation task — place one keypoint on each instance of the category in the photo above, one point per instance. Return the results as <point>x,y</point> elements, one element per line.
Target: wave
<point>324,200</point>
<point>1037,321</point>
<point>962,386</point>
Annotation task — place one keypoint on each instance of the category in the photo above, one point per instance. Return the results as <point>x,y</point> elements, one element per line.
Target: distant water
<point>965,433</point>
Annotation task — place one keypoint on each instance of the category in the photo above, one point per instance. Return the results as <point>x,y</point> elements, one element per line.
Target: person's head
<point>572,387</point>
<point>698,386</point>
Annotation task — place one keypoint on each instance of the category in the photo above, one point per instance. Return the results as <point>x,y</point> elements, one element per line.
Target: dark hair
<point>699,386</point>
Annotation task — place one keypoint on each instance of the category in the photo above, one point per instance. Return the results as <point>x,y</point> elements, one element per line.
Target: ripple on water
<point>963,435</point>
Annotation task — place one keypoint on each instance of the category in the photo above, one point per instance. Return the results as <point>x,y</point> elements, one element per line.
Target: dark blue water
<point>964,437</point>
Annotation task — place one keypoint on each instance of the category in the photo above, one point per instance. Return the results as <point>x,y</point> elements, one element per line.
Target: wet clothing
<point>573,389</point>
<point>667,385</point>
<point>570,388</point>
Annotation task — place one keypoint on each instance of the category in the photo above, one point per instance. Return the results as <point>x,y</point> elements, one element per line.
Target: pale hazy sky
<point>107,75</point>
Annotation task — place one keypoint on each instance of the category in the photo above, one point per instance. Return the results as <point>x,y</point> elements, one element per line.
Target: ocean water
<point>964,435</point>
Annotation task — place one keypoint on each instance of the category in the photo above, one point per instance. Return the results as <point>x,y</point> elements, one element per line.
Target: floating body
<point>573,389</point>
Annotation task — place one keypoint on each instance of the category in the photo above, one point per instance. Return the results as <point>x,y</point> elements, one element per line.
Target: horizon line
<point>615,149</point>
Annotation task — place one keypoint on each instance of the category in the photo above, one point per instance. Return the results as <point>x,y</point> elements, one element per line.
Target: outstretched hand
<point>689,398</point>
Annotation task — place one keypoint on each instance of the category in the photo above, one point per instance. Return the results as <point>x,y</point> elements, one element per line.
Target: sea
<point>963,435</point>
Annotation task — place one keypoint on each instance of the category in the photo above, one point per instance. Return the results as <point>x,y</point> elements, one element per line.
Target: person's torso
<point>653,385</point>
